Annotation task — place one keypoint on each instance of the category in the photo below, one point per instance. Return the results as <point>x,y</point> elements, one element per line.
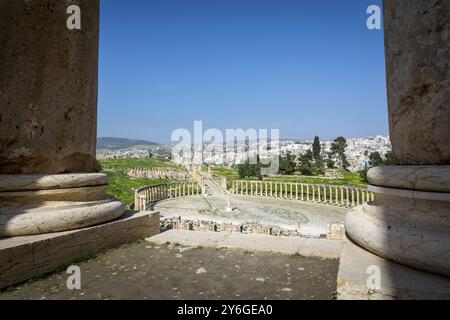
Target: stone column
<point>331,194</point>
<point>409,219</point>
<point>347,204</point>
<point>49,175</point>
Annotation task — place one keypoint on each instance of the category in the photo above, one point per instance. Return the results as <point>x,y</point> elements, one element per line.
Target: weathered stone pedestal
<point>22,258</point>
<point>397,281</point>
<point>36,204</point>
<point>49,178</point>
<point>409,221</point>
<point>49,175</point>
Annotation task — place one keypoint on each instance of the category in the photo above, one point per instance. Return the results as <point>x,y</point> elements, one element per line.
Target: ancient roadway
<point>310,218</point>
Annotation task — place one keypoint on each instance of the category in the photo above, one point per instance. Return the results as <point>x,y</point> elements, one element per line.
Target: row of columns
<point>336,195</point>
<point>151,194</point>
<point>157,173</point>
<point>183,189</point>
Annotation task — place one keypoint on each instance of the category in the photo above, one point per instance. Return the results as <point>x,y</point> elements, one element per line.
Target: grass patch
<point>122,186</point>
<point>123,164</point>
<point>349,178</point>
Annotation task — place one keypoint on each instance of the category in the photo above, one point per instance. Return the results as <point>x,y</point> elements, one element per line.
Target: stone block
<point>22,258</point>
<point>358,266</point>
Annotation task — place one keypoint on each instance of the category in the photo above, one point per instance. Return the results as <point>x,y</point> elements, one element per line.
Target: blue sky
<point>305,67</point>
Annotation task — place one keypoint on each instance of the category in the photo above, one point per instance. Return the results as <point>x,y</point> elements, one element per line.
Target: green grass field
<point>122,164</point>
<point>349,178</point>
<point>122,186</point>
<point>231,174</point>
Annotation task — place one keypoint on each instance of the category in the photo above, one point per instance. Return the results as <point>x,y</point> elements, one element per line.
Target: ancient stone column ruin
<point>409,221</point>
<point>49,176</point>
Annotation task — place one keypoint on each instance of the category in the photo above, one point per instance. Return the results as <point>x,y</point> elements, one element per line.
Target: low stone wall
<point>334,231</point>
<point>341,196</point>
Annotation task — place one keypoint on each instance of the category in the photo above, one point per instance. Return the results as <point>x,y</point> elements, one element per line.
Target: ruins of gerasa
<point>53,208</point>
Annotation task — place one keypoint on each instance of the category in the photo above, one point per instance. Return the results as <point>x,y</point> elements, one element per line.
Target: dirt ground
<point>146,271</point>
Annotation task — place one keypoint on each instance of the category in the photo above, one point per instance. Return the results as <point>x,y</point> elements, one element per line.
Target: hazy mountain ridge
<point>121,143</point>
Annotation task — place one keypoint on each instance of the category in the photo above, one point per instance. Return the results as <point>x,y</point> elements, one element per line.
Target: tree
<point>318,159</point>
<point>338,150</point>
<point>248,170</point>
<point>375,159</point>
<point>330,163</point>
<point>363,173</point>
<point>389,159</point>
<point>287,164</point>
<point>306,167</point>
<point>316,149</point>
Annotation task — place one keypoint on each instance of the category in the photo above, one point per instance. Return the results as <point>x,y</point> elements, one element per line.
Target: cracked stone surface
<point>48,88</point>
<point>422,178</point>
<point>417,41</point>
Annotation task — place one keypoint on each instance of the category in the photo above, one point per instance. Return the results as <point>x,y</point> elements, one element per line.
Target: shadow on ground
<point>145,271</point>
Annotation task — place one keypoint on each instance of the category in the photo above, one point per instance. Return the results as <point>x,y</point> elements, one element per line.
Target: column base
<point>409,226</point>
<point>37,204</point>
<point>356,265</point>
<point>22,258</point>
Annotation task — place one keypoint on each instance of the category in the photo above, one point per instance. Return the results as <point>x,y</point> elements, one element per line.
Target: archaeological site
<point>84,220</point>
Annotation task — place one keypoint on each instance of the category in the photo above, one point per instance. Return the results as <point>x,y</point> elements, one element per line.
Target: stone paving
<point>310,219</point>
<point>147,271</point>
<point>322,248</point>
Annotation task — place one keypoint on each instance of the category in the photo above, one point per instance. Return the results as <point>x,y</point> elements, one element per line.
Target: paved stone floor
<point>143,270</point>
<point>311,219</point>
<point>307,247</point>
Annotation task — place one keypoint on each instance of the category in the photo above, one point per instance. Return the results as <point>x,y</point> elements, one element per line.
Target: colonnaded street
<point>182,264</point>
<point>310,219</point>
